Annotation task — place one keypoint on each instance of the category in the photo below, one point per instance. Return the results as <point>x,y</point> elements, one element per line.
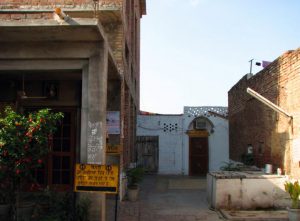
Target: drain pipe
<point>268,103</point>
<point>271,105</point>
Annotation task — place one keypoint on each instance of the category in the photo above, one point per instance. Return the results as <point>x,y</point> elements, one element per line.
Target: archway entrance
<point>198,154</point>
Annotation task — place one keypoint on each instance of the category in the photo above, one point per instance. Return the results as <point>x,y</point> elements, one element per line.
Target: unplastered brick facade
<point>120,20</point>
<point>37,9</point>
<point>35,4</point>
<point>274,137</point>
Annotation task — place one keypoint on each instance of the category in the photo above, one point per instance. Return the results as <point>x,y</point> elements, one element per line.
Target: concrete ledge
<point>83,29</point>
<point>48,22</point>
<point>244,174</point>
<point>245,215</point>
<point>241,191</point>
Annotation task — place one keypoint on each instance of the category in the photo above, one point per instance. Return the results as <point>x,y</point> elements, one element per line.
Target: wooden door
<point>147,153</point>
<point>198,160</point>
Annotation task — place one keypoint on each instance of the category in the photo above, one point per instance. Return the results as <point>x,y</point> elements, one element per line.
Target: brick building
<point>81,57</point>
<point>275,138</point>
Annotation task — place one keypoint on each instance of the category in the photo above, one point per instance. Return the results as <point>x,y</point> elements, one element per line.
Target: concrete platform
<point>246,190</point>
<point>245,215</point>
<point>169,198</point>
<point>187,184</point>
<point>181,198</point>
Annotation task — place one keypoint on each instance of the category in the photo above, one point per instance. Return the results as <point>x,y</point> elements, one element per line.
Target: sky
<point>194,51</point>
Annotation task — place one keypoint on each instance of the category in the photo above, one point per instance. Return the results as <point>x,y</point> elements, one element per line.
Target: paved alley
<point>164,198</point>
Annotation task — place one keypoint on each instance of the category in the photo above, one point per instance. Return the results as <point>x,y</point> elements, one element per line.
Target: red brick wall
<point>9,4</point>
<point>251,122</point>
<point>124,38</point>
<point>131,59</point>
<point>132,15</point>
<point>42,9</point>
<point>20,16</point>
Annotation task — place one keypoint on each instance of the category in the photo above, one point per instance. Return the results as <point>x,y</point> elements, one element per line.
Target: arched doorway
<point>199,146</point>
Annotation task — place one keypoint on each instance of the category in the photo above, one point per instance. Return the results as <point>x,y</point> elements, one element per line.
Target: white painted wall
<point>174,145</point>
<point>218,145</point>
<point>170,141</point>
<point>239,190</point>
<point>218,141</point>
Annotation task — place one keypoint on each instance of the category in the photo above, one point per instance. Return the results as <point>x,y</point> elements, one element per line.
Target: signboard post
<point>97,178</point>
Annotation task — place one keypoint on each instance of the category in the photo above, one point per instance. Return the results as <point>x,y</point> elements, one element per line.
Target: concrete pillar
<point>93,121</point>
<point>84,115</point>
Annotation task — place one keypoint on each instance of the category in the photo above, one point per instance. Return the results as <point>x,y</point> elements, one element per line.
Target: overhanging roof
<point>48,30</point>
<point>80,29</point>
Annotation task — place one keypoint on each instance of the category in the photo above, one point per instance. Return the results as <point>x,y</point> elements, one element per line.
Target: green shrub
<point>293,189</point>
<point>135,175</point>
<point>229,166</point>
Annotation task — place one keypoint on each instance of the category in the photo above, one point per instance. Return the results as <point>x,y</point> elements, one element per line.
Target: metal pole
<point>116,207</point>
<point>251,65</point>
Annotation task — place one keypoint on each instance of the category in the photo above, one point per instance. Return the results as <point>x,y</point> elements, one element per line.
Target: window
<point>58,169</point>
<point>200,124</point>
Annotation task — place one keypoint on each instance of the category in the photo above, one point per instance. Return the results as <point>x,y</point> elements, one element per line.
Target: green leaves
<point>135,175</point>
<point>294,190</point>
<point>24,140</point>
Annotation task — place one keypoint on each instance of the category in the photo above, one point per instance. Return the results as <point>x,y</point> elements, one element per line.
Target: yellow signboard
<point>97,178</point>
<point>113,148</point>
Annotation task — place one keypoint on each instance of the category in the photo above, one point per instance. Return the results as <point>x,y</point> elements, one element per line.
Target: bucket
<point>268,168</point>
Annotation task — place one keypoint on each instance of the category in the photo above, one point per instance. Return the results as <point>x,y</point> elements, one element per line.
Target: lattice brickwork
<point>170,127</point>
<point>205,111</point>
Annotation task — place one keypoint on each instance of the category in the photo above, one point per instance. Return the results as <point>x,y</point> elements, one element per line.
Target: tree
<point>23,145</point>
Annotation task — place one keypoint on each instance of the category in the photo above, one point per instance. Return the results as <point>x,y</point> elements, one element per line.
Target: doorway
<point>198,156</point>
<point>147,153</point>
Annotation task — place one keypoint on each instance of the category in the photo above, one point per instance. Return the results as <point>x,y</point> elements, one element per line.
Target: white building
<point>193,143</point>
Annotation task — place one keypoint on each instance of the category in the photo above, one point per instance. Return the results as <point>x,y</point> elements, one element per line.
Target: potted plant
<point>293,189</point>
<point>134,176</point>
<point>23,145</point>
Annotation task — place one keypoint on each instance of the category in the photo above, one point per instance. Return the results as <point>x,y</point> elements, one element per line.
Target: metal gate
<point>147,153</point>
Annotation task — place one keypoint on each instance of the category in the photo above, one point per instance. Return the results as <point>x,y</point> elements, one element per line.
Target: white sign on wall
<point>113,122</point>
<point>94,142</point>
